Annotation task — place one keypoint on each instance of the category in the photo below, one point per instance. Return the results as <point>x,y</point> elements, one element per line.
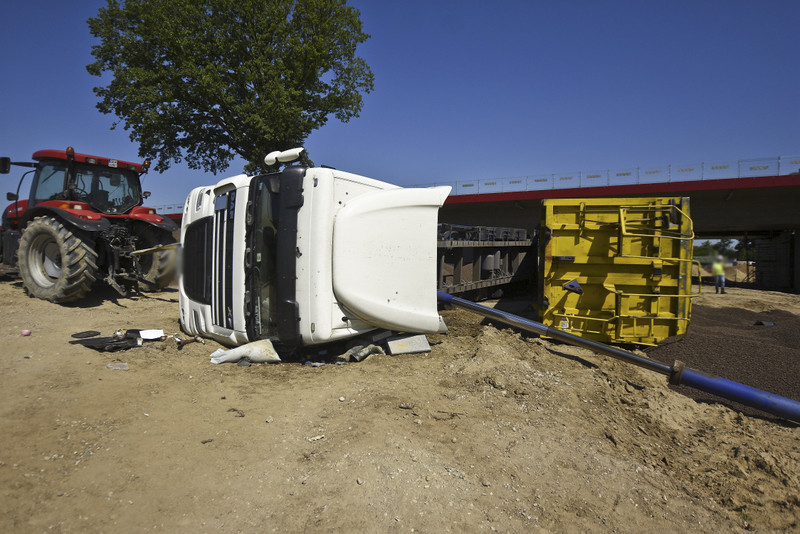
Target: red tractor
<point>84,221</point>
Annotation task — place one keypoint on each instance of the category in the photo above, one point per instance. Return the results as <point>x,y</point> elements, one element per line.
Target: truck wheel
<point>158,268</point>
<point>54,263</point>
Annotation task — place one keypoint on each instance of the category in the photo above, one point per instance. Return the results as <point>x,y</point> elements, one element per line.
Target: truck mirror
<point>5,165</point>
<point>11,196</point>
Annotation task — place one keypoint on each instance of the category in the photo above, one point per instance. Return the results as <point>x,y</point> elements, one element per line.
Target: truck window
<point>49,184</point>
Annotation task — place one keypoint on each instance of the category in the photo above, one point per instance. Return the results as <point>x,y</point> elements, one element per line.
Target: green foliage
<point>745,250</point>
<point>211,79</point>
<point>723,247</point>
<point>704,249</point>
<point>729,248</point>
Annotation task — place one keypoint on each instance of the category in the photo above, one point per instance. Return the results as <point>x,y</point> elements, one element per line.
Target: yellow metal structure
<point>616,270</point>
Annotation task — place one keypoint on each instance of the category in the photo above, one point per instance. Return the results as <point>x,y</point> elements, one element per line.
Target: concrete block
<point>408,344</point>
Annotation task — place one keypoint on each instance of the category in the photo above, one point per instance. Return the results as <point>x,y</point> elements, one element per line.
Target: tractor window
<point>49,182</point>
<point>106,189</point>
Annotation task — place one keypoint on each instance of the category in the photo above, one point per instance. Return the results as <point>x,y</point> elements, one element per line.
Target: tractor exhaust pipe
<point>678,373</point>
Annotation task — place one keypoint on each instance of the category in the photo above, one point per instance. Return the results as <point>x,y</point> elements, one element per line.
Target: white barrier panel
<point>749,168</point>
<point>687,173</point>
<point>720,170</point>
<point>654,175</point>
<point>623,177</point>
<point>567,181</point>
<point>540,182</point>
<point>789,165</point>
<point>514,184</point>
<point>491,185</point>
<point>594,179</point>
<point>466,188</point>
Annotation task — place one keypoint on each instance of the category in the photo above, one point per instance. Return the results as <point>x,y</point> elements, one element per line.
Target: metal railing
<point>717,170</point>
<point>743,168</point>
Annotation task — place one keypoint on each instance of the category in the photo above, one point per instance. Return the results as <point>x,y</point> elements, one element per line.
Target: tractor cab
<point>108,186</point>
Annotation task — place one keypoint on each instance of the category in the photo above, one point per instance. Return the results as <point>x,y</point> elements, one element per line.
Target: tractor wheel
<point>55,264</point>
<point>158,268</point>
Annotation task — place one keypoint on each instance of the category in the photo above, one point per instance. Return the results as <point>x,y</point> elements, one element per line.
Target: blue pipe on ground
<point>678,373</point>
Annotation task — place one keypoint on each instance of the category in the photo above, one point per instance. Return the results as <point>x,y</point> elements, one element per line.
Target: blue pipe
<point>678,374</point>
<point>741,393</point>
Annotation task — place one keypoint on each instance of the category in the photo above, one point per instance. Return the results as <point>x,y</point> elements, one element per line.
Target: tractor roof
<point>86,158</point>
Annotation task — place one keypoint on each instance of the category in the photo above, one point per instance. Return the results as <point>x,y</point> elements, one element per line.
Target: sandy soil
<point>490,431</point>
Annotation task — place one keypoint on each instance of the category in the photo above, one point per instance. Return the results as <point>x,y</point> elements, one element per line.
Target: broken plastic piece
<point>85,334</point>
<point>108,344</point>
<point>257,352</point>
<point>149,335</point>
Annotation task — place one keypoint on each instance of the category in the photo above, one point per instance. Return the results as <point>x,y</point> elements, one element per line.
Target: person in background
<point>718,267</point>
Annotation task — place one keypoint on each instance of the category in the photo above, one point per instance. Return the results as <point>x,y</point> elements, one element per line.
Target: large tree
<point>207,80</point>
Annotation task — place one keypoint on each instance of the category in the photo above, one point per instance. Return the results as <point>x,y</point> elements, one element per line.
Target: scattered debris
<point>152,335</point>
<point>181,342</point>
<point>237,412</point>
<point>406,406</point>
<point>85,334</point>
<point>764,323</point>
<point>314,364</point>
<point>408,344</point>
<point>260,351</point>
<point>341,399</point>
<point>360,353</point>
<point>26,332</point>
<point>317,438</point>
<point>205,441</point>
<point>123,339</point>
<point>109,344</point>
<point>118,366</point>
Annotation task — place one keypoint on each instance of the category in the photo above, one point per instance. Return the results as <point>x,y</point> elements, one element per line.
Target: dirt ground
<point>491,431</point>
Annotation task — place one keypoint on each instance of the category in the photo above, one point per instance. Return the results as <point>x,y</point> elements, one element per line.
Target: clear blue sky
<point>473,89</point>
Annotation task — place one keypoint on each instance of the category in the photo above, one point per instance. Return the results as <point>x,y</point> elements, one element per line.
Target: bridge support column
<point>778,261</point>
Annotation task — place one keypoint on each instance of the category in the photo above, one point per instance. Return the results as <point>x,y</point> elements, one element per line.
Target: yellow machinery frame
<point>616,270</point>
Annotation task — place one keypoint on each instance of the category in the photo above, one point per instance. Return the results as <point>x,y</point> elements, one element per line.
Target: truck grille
<point>196,264</point>
<point>222,268</point>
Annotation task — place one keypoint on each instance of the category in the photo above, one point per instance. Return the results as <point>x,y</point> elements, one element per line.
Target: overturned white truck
<point>308,255</point>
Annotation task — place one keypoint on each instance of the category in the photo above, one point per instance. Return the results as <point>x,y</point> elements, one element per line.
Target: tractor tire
<point>158,268</point>
<point>56,264</point>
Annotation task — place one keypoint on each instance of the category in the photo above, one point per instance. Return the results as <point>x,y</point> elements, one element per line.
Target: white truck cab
<point>308,255</point>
